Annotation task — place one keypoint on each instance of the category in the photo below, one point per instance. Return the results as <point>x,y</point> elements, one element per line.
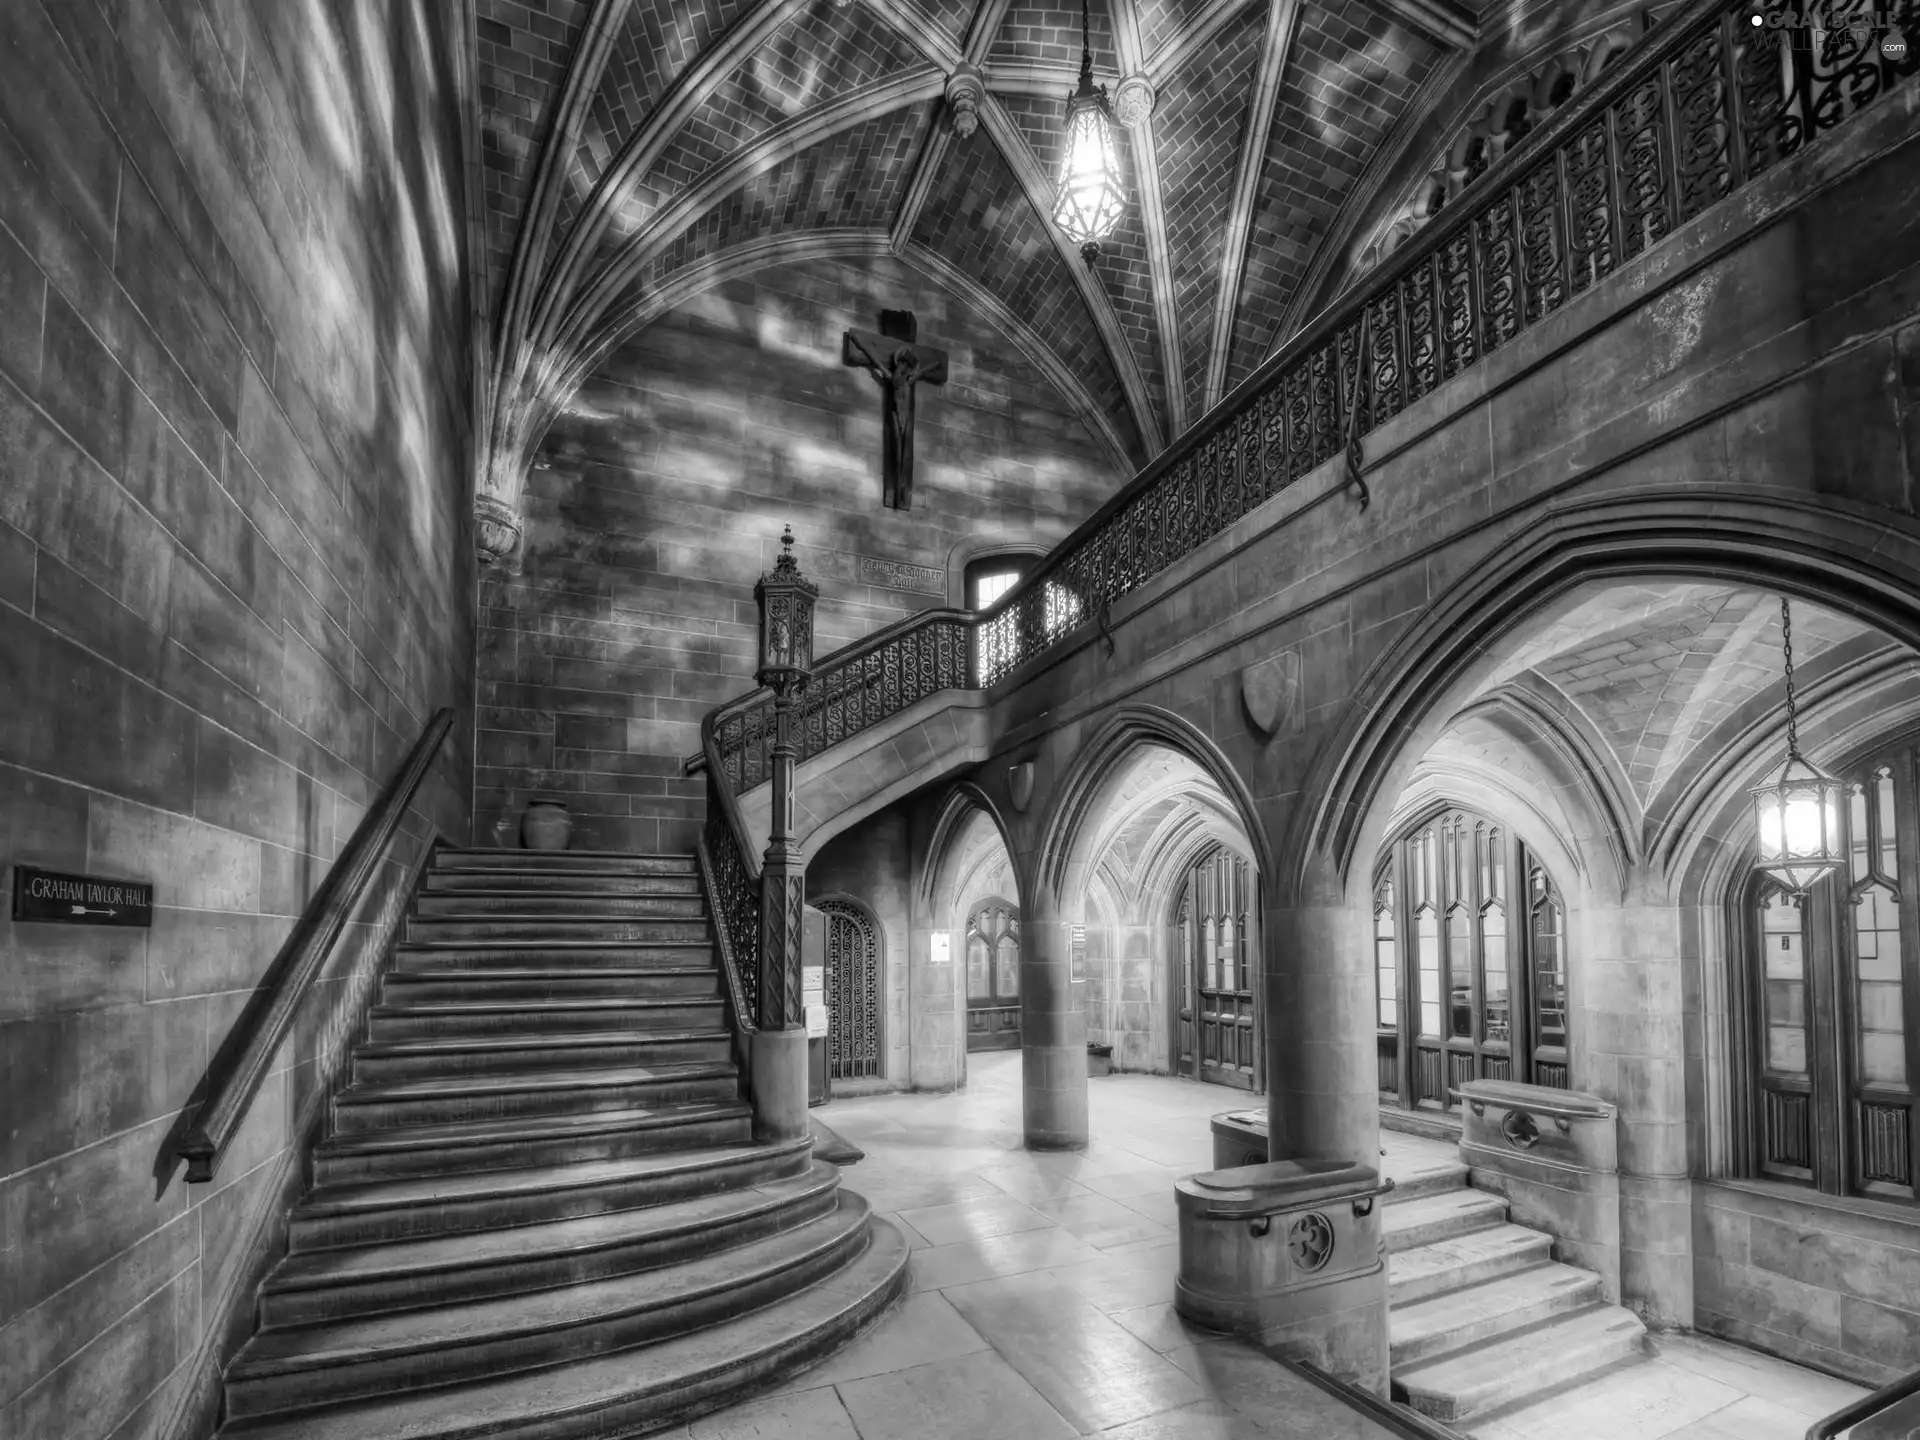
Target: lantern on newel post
<point>786,600</point>
<point>1797,812</point>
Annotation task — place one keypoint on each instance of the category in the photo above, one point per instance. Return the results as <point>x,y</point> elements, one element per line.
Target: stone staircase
<point>1482,1315</point>
<point>540,1210</point>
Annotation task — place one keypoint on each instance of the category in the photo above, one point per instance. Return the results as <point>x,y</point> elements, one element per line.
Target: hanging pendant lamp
<point>1797,812</point>
<point>1089,199</point>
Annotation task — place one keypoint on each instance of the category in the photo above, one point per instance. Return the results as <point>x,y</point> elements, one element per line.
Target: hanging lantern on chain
<point>1089,198</point>
<point>1797,812</point>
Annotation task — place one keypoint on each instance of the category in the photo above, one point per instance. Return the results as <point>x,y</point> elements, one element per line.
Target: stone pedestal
<point>778,1083</point>
<point>1553,1155</point>
<point>1290,1255</point>
<point>1239,1138</point>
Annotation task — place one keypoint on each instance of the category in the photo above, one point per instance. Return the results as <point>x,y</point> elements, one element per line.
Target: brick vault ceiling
<point>636,151</point>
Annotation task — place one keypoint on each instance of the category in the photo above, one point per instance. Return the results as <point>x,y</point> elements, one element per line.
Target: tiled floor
<point>1042,1286</point>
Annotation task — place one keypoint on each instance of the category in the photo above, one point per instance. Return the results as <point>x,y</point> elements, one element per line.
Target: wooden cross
<point>894,359</point>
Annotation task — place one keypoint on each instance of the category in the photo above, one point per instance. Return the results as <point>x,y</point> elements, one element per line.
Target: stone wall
<point>659,497</point>
<point>234,585</point>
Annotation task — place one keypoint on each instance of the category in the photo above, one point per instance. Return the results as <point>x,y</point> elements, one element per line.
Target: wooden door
<point>1217,1032</point>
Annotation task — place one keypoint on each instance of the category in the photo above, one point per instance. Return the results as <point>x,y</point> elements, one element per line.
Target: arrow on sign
<point>90,910</point>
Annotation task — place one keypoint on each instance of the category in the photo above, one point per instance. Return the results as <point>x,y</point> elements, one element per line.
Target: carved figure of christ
<point>894,359</point>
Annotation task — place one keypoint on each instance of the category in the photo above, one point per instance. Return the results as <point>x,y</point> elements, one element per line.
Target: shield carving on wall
<point>1270,689</point>
<point>1020,784</point>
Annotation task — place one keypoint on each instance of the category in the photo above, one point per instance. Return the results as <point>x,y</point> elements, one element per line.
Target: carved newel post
<point>786,599</point>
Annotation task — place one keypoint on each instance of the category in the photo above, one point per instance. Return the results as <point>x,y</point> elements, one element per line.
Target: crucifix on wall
<point>894,359</point>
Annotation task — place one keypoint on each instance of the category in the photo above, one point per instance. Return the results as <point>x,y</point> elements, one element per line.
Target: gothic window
<point>991,576</point>
<point>1479,991</point>
<point>993,976</point>
<point>1833,984</point>
<point>853,990</point>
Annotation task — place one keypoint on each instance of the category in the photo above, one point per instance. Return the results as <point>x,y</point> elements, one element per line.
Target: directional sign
<point>52,897</point>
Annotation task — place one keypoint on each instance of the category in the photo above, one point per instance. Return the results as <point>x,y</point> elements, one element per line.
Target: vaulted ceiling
<point>636,151</point>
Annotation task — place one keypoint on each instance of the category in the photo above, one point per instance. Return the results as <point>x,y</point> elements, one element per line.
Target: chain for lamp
<point>1786,653</point>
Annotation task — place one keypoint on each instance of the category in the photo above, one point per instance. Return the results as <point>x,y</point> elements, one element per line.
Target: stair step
<point>1462,1260</point>
<point>500,882</point>
<point>1428,1218</point>
<point>523,1143</point>
<point>1511,1368</point>
<point>568,903</point>
<point>328,1285</point>
<point>382,1354</point>
<point>394,1104</point>
<point>548,929</point>
<point>390,1023</point>
<point>422,957</point>
<point>531,983</point>
<point>626,1392</point>
<point>1441,1324</point>
<point>587,862</point>
<point>1429,1180</point>
<point>457,1055</point>
<point>410,1208</point>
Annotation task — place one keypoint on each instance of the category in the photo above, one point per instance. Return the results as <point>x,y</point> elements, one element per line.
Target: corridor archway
<point>1607,740</point>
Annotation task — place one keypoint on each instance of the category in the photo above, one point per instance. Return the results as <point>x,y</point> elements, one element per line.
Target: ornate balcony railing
<point>1703,106</point>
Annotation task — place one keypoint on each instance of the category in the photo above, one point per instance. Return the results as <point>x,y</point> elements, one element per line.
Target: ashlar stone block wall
<point>658,499</point>
<point>234,584</point>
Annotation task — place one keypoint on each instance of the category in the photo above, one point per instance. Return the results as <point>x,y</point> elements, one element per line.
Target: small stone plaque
<point>53,897</point>
<point>942,948</point>
<point>898,575</point>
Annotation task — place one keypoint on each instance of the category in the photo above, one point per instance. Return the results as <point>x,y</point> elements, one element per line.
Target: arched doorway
<point>854,1044</point>
<point>1216,973</point>
<point>993,975</point>
<point>1470,974</point>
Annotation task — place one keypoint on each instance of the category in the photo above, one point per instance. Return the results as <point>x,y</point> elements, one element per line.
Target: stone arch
<point>1063,834</point>
<point>964,806</point>
<point>1834,556</point>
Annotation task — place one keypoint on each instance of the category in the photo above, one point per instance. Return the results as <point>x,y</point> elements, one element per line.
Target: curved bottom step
<point>634,1392</point>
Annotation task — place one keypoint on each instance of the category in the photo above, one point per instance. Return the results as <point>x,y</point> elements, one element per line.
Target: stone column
<point>1323,1097</point>
<point>1323,1091</point>
<point>1628,1040</point>
<point>1053,1033</point>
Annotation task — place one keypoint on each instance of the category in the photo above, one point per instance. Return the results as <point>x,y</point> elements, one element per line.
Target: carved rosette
<point>966,88</point>
<point>1133,100</point>
<point>496,528</point>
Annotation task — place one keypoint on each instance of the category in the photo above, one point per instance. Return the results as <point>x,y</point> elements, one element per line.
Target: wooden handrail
<point>235,1075</point>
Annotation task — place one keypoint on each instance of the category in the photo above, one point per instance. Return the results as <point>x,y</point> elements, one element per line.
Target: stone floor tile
<point>1750,1418</point>
<point>1015,1254</point>
<point>1161,1327</point>
<point>975,1218</point>
<point>1089,1369</point>
<point>975,1397</point>
<point>915,1240</point>
<point>808,1415</point>
<point>1792,1386</point>
<point>922,1329</point>
<point>1267,1399</point>
<point>1639,1402</point>
<point>1159,1206</point>
<point>1032,1186</point>
<point>1099,1220</point>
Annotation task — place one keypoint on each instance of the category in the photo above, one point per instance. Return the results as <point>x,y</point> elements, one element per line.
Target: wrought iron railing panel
<point>1707,103</point>
<point>735,902</point>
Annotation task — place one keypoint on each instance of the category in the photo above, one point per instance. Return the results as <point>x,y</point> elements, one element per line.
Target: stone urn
<point>546,826</point>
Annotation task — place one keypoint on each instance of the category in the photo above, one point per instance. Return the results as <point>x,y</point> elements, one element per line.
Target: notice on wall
<point>52,897</point>
<point>1079,953</point>
<point>942,948</point>
<point>816,1021</point>
<point>813,984</point>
